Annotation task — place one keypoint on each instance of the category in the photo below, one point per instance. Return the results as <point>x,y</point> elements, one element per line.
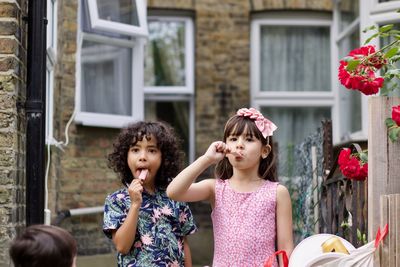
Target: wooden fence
<point>390,214</point>
<point>343,203</point>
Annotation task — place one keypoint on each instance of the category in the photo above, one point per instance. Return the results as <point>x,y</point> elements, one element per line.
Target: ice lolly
<point>143,174</point>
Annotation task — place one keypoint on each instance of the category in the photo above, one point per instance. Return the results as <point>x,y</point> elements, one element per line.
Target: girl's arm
<point>284,230</point>
<point>124,236</point>
<point>188,254</point>
<point>182,187</point>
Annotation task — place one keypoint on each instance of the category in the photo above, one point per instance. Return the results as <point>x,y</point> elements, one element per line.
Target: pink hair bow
<point>265,126</point>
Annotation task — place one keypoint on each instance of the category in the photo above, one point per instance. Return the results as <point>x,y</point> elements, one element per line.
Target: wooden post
<point>383,159</point>
<point>390,212</point>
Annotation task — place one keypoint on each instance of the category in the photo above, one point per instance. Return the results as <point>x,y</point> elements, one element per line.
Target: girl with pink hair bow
<point>251,211</point>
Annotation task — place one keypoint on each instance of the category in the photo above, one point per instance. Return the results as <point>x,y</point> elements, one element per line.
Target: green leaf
<point>364,157</point>
<point>389,122</point>
<point>394,134</point>
<point>348,58</point>
<point>352,64</point>
<point>370,38</point>
<point>391,52</point>
<point>373,27</point>
<point>359,236</point>
<point>386,28</point>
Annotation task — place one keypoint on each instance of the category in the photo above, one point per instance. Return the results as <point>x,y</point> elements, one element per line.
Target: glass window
<point>177,114</point>
<point>349,100</point>
<point>165,54</point>
<point>291,76</point>
<point>349,11</point>
<point>123,16</point>
<point>110,67</point>
<point>294,125</point>
<point>295,58</point>
<point>169,76</point>
<point>106,77</point>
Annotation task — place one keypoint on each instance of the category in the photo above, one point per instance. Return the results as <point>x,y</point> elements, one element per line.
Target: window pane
<point>165,54</point>
<point>122,11</point>
<point>87,27</point>
<point>349,100</point>
<point>106,79</point>
<point>349,11</point>
<point>174,113</point>
<point>294,125</point>
<point>295,58</point>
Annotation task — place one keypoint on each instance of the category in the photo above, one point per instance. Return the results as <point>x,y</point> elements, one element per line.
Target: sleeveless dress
<point>244,225</point>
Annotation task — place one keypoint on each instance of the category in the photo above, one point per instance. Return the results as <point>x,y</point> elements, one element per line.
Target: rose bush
<point>353,165</point>
<point>359,71</point>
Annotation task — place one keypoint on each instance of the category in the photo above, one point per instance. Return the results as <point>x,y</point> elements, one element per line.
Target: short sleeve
<point>186,220</point>
<point>114,212</point>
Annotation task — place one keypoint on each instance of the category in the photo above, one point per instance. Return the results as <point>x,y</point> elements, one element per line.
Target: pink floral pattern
<point>244,225</point>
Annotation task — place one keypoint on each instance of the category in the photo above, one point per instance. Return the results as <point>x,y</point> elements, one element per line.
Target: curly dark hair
<point>236,125</point>
<point>167,142</point>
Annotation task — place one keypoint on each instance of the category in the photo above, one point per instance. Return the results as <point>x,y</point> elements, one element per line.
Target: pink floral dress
<point>244,225</point>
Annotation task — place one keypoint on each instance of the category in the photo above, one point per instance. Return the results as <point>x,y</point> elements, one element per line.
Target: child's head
<point>44,246</point>
<point>167,143</point>
<point>250,122</point>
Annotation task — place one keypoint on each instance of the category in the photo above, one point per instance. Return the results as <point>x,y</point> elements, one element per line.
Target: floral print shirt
<point>162,225</point>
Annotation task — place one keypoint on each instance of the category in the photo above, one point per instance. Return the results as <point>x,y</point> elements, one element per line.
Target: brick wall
<point>12,122</point>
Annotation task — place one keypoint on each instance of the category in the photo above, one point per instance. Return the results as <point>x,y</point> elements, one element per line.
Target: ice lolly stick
<point>143,174</point>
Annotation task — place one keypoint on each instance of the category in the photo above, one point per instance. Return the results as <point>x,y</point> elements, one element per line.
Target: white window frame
<point>261,98</point>
<point>112,26</point>
<point>51,48</point>
<point>189,59</point>
<point>111,120</point>
<point>337,37</point>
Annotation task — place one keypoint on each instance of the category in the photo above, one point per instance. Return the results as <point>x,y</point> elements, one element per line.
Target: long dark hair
<point>167,142</point>
<point>43,246</point>
<point>236,125</point>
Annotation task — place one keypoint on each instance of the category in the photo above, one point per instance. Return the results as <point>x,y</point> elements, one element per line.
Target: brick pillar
<point>12,122</point>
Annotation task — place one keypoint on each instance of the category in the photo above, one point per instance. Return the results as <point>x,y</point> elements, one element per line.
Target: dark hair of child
<point>236,125</point>
<point>167,142</point>
<point>43,246</point>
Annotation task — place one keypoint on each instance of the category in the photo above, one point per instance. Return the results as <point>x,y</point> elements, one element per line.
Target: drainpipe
<point>35,108</point>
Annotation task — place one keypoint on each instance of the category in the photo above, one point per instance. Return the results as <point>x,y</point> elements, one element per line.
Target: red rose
<point>344,156</point>
<point>363,77</point>
<point>352,168</point>
<point>396,114</point>
<point>350,165</point>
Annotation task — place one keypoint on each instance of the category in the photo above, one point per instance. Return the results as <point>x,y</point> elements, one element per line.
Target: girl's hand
<point>135,190</point>
<point>216,152</point>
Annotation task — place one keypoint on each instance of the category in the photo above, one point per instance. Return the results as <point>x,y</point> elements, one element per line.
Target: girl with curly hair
<point>147,228</point>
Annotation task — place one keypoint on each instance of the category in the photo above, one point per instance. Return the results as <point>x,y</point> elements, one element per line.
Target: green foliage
<point>362,237</point>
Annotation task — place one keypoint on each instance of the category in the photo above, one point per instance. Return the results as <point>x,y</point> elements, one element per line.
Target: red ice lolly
<point>143,174</point>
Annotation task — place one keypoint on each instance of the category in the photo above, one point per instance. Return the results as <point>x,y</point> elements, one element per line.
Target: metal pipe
<point>35,112</point>
<point>76,212</point>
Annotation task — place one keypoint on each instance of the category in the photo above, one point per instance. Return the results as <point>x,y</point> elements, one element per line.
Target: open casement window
<point>169,76</point>
<point>291,76</point>
<point>51,48</point>
<point>346,37</point>
<point>121,16</point>
<point>109,75</point>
